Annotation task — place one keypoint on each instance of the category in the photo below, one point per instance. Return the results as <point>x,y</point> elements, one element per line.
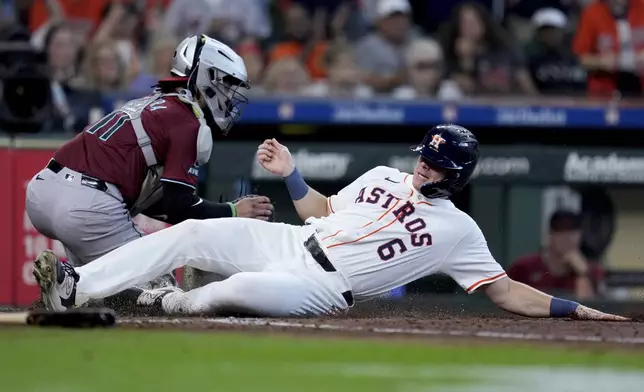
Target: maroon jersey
<point>108,149</point>
<point>531,270</point>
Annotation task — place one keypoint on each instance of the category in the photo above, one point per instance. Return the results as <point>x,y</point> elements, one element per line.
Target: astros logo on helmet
<point>437,140</point>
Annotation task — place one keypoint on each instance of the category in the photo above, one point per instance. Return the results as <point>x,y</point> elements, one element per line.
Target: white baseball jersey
<point>382,233</point>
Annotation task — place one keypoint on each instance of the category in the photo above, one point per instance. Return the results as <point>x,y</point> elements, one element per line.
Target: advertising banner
<point>487,112</point>
<point>28,241</point>
<point>521,164</point>
<point>6,238</point>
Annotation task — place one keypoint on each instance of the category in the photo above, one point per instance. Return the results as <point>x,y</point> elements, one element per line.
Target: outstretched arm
<point>524,300</point>
<point>277,159</point>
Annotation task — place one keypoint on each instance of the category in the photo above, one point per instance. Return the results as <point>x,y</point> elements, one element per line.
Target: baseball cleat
<point>153,298</point>
<point>163,281</point>
<point>140,301</point>
<point>57,281</point>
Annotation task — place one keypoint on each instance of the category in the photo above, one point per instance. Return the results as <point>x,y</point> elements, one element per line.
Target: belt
<point>88,181</point>
<point>314,248</point>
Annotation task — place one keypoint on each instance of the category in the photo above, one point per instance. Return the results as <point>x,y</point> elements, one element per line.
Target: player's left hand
<point>585,313</point>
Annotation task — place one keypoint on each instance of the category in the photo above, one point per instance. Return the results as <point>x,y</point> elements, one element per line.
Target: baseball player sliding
<point>384,230</point>
<point>144,157</point>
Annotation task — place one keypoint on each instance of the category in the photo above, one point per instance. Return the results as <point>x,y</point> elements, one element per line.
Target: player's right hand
<point>258,207</point>
<point>275,158</point>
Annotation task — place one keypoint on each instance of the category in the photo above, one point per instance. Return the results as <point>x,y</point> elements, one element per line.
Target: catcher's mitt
<point>271,218</point>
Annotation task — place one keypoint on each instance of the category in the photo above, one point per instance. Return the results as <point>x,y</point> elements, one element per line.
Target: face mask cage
<point>225,98</point>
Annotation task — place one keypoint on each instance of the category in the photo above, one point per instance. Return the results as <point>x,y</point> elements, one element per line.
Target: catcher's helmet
<point>217,73</point>
<point>453,148</point>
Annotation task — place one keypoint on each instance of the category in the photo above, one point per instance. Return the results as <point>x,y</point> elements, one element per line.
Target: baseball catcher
<point>145,158</point>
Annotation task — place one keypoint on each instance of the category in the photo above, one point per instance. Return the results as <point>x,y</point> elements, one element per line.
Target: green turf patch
<point>129,360</point>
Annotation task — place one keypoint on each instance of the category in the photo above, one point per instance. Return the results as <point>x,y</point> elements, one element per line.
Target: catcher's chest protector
<point>151,190</point>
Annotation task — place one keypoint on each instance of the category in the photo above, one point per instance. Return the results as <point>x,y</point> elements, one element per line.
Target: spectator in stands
<point>425,69</point>
<point>62,52</point>
<point>224,20</point>
<point>159,63</point>
<point>561,266</point>
<point>381,54</point>
<point>247,19</point>
<point>610,46</point>
<point>120,24</point>
<point>83,16</point>
<point>553,66</point>
<point>251,52</point>
<point>304,40</point>
<point>344,78</point>
<point>188,17</point>
<point>8,13</point>
<point>480,56</point>
<point>348,15</point>
<point>519,14</point>
<point>71,105</point>
<point>105,71</point>
<point>286,76</point>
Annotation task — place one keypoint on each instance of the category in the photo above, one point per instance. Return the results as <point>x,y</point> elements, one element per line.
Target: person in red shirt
<point>144,158</point>
<point>561,266</point>
<point>609,42</point>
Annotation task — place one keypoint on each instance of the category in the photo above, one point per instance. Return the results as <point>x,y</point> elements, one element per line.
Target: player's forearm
<point>307,201</point>
<point>313,204</point>
<point>522,299</point>
<point>180,204</point>
<point>201,209</point>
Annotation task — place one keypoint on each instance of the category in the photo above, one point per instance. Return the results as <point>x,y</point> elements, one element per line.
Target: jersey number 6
<point>388,250</point>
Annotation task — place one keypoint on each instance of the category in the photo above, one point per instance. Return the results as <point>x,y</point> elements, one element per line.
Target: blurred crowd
<point>403,49</point>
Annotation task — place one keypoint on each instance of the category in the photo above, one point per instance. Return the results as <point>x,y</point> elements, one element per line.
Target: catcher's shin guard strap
<point>562,307</point>
<point>296,186</point>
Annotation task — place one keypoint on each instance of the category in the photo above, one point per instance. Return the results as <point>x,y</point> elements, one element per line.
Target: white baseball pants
<point>267,269</point>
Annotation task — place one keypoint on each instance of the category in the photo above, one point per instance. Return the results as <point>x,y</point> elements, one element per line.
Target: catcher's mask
<point>218,74</point>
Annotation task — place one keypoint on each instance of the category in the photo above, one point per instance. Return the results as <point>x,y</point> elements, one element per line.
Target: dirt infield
<point>416,320</point>
<point>456,328</point>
